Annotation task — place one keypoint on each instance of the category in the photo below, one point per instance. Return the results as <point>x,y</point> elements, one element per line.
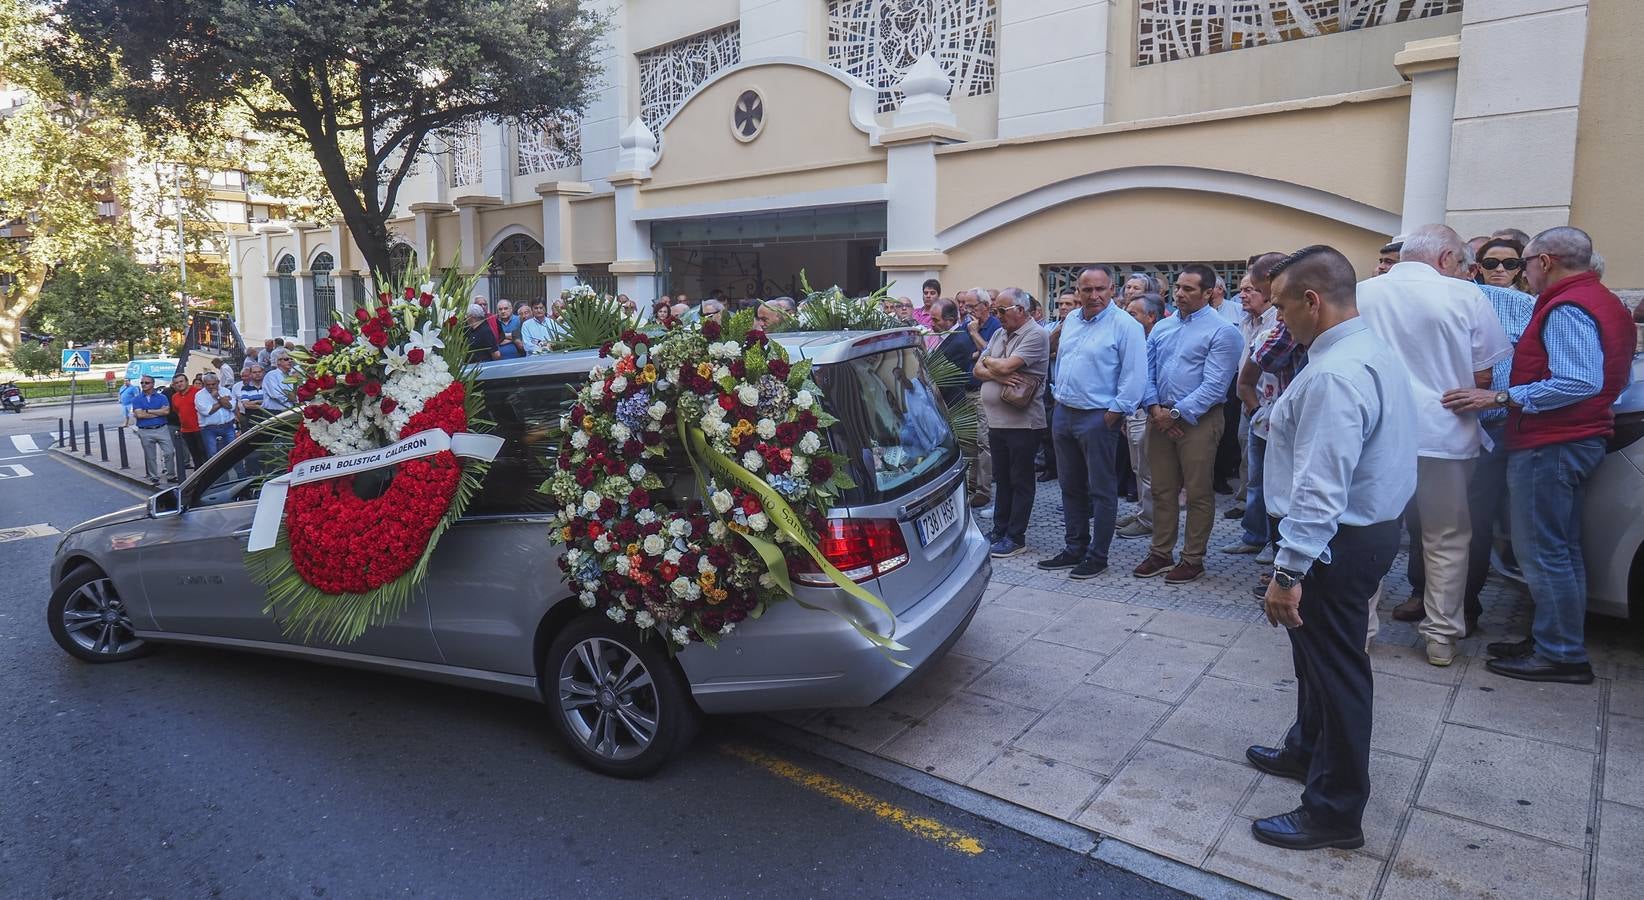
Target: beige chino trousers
<point>1189,463</point>
<point>1446,534</point>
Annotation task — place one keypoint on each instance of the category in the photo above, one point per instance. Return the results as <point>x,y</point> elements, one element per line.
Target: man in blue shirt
<point>151,409</point>
<point>508,331</point>
<point>1101,357</point>
<point>1340,467</point>
<point>1191,359</point>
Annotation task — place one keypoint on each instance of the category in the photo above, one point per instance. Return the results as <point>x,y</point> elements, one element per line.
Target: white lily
<point>396,359</point>
<point>427,339</point>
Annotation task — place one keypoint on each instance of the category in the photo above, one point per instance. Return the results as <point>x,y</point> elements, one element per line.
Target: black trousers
<point>1227,451</point>
<point>1013,482</point>
<point>1333,682</point>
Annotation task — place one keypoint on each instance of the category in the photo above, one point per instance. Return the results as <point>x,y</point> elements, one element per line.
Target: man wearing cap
<point>1389,255</point>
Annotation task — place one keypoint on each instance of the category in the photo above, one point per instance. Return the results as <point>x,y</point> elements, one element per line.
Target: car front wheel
<point>89,620</point>
<point>618,700</point>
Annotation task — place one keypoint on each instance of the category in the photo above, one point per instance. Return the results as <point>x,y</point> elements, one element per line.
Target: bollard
<point>59,431</point>
<point>86,437</point>
<point>73,441</point>
<point>102,441</point>
<point>125,461</point>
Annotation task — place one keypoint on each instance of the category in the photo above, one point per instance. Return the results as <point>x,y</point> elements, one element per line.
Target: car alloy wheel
<point>608,699</point>
<point>91,622</point>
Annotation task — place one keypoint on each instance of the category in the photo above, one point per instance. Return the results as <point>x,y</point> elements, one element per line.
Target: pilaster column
<point>422,231</point>
<point>496,172</point>
<point>558,261</point>
<point>1430,67</point>
<point>635,266</point>
<point>920,124</point>
<point>468,235</point>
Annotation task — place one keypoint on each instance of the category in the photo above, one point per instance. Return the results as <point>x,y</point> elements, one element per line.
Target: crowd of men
<point>1464,380</point>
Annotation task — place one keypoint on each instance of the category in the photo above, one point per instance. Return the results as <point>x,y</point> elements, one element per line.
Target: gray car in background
<point>494,612</point>
<point>1612,532</point>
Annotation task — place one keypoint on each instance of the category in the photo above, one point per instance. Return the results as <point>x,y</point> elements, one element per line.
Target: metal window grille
<point>401,257</point>
<point>514,271</point>
<point>288,294</point>
<point>325,291</point>
<point>547,146</point>
<point>668,74</point>
<point>599,278</point>
<point>463,144</point>
<point>878,40</point>
<point>1180,29</point>
<point>1061,279</point>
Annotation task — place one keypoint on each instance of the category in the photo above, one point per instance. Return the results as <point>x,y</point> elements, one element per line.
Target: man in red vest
<point>1573,361</point>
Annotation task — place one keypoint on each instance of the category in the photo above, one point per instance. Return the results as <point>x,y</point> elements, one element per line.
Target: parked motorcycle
<point>11,397</point>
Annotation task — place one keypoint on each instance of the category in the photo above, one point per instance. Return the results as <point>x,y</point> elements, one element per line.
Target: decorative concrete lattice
<point>878,40</point>
<point>1060,279</point>
<point>668,74</point>
<point>1180,29</point>
<point>547,146</point>
<point>463,143</point>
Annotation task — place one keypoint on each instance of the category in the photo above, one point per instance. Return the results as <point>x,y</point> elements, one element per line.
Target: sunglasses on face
<point>1511,264</point>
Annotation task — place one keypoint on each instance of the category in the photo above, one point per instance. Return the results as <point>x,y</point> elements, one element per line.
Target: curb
<point>1109,850</point>
<point>80,459</point>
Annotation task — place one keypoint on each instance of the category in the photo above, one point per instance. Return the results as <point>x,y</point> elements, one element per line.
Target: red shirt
<point>183,403</point>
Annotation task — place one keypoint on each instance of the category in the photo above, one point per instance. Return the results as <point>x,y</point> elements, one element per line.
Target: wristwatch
<point>1175,413</point>
<point>1285,578</point>
<point>1503,398</point>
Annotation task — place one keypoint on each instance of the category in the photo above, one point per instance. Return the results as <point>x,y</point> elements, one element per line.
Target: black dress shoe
<point>1534,668</point>
<point>1046,477</point>
<point>1274,761</point>
<point>1511,649</point>
<point>1234,512</point>
<point>1296,830</point>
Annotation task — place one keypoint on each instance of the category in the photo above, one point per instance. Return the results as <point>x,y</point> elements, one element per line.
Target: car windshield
<point>891,423</point>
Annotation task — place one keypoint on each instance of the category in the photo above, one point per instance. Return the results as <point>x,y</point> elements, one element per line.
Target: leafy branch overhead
<point>367,84</point>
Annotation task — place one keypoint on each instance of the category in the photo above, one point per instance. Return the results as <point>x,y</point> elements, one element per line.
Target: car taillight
<point>860,548</point>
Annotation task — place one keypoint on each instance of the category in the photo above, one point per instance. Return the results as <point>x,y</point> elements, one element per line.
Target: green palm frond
<point>589,322</point>
<point>832,310</point>
<point>945,376</point>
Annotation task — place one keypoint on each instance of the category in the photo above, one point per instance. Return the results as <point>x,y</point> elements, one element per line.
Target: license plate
<point>935,523</point>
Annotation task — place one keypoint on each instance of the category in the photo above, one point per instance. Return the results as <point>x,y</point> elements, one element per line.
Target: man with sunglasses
<point>151,409</point>
<point>1016,357</point>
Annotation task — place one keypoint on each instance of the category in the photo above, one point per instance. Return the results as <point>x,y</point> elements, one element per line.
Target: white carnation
<point>620,432</point>
<point>717,530</point>
<point>721,373</point>
<point>602,545</point>
<point>681,636</point>
<point>644,619</point>
<point>619,350</point>
<point>622,565</point>
<point>810,443</point>
<point>748,395</point>
<point>803,400</point>
<point>705,567</point>
<point>679,528</point>
<point>573,556</point>
<point>618,385</point>
<point>722,501</point>
<point>657,410</point>
<point>579,439</point>
<point>654,545</point>
<point>752,461</point>
<point>636,473</point>
<point>616,613</point>
<point>671,557</point>
<point>758,521</point>
<point>587,599</point>
<point>766,429</point>
<point>799,466</point>
<point>645,516</point>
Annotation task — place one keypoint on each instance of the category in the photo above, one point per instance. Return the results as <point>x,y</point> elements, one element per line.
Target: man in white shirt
<point>1447,334</point>
<point>214,404</point>
<point>537,333</point>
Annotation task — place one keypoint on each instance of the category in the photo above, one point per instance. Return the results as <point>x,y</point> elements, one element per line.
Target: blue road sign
<point>76,361</point>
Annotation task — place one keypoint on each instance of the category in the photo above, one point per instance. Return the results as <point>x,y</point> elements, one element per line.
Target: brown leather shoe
<point>1184,573</point>
<point>1153,565</point>
<point>1411,610</point>
<point>979,499</point>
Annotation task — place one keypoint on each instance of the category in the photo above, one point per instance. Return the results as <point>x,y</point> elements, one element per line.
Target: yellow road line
<point>921,826</point>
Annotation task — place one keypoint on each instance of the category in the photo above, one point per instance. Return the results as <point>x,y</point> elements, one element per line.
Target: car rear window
<point>892,423</point>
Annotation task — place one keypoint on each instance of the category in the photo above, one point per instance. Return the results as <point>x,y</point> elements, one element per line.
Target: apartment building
<point>737,143</point>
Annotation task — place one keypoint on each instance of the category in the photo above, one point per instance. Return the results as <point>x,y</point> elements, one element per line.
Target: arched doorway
<point>325,292</point>
<point>287,321</point>
<point>514,271</point>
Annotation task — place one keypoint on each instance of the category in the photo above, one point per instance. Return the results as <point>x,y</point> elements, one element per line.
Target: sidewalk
<point>1125,706</point>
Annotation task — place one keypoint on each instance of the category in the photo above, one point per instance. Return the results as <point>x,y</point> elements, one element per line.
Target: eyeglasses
<point>1001,310</point>
<point>1512,264</point>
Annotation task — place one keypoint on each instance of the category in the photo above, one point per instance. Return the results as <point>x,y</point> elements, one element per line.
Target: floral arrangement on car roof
<point>751,423</point>
<point>382,398</point>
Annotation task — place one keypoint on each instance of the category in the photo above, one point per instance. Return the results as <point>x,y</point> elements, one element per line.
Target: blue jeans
<point>1545,504</point>
<point>1087,468</point>
<point>216,437</point>
<point>1255,508</point>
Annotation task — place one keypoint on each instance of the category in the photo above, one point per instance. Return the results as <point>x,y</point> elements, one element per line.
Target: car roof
<point>822,347</point>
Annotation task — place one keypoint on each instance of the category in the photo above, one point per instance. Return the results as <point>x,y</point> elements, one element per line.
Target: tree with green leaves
<point>108,296</point>
<point>368,80</point>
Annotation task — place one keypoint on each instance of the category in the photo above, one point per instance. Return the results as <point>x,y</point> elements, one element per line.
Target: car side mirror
<point>166,503</point>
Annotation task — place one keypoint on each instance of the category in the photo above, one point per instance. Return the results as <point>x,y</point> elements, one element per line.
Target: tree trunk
<point>15,305</point>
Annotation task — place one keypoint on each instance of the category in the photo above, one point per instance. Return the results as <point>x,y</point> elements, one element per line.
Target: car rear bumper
<point>794,658</point>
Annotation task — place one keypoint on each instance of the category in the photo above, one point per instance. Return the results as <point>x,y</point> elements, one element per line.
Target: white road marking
<point>25,443</point>
<point>17,471</point>
<point>23,532</point>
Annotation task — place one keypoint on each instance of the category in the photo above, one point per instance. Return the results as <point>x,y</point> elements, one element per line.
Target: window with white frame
<point>668,74</point>
<point>879,40</point>
<point>463,145</point>
<point>547,146</point>
<point>1173,29</point>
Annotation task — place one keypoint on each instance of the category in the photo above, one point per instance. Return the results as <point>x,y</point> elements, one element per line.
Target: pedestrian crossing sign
<point>76,361</point>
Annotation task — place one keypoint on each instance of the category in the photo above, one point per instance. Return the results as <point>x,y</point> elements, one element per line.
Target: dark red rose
<point>426,299</point>
<point>410,292</point>
<point>627,529</point>
<point>388,405</point>
<point>339,334</point>
<point>327,382</point>
<point>585,476</point>
<point>416,356</point>
<point>450,321</point>
<point>639,498</point>
<point>779,369</point>
<point>821,469</point>
<point>631,449</point>
<point>738,370</point>
<point>313,412</point>
<point>806,420</point>
<point>306,393</point>
<point>746,442</point>
<point>565,462</point>
<point>727,402</point>
<point>354,379</point>
<point>322,347</point>
<point>332,414</point>
<point>778,465</point>
<point>577,414</point>
<point>756,336</point>
<point>378,339</point>
<point>710,330</point>
<point>382,296</point>
<point>719,556</point>
<point>362,315</point>
<point>653,438</point>
<point>372,388</point>
<point>607,508</point>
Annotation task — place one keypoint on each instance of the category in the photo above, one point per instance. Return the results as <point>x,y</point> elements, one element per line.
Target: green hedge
<point>89,387</point>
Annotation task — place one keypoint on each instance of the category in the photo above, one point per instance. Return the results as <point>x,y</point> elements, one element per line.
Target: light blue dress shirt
<point>1513,308</point>
<point>1191,359</point>
<point>1341,444</point>
<point>1101,363</point>
<point>1575,357</point>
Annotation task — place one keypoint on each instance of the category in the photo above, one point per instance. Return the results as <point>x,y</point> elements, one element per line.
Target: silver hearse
<point>494,612</point>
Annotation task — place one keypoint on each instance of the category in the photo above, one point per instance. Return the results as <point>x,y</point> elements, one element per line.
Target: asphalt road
<point>204,773</point>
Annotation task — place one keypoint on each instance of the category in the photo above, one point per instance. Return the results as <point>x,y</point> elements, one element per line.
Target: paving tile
<point>1392,782</point>
<point>1099,626</point>
<point>865,728</point>
<point>996,630</point>
<point>1035,674</point>
<point>1049,602</point>
<point>1155,666</point>
<point>933,685</point>
<point>1619,868</point>
<point>1203,629</point>
<point>1408,662</point>
<point>1053,788</point>
<point>1561,713</point>
<point>1092,728</point>
<point>1535,788</point>
<point>960,737</point>
<point>1321,873</point>
<point>1407,713</point>
<point>1169,801</point>
<point>1441,858</point>
<point>1223,718</point>
<point>1624,760</point>
<point>1261,656</point>
<point>1627,698</point>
